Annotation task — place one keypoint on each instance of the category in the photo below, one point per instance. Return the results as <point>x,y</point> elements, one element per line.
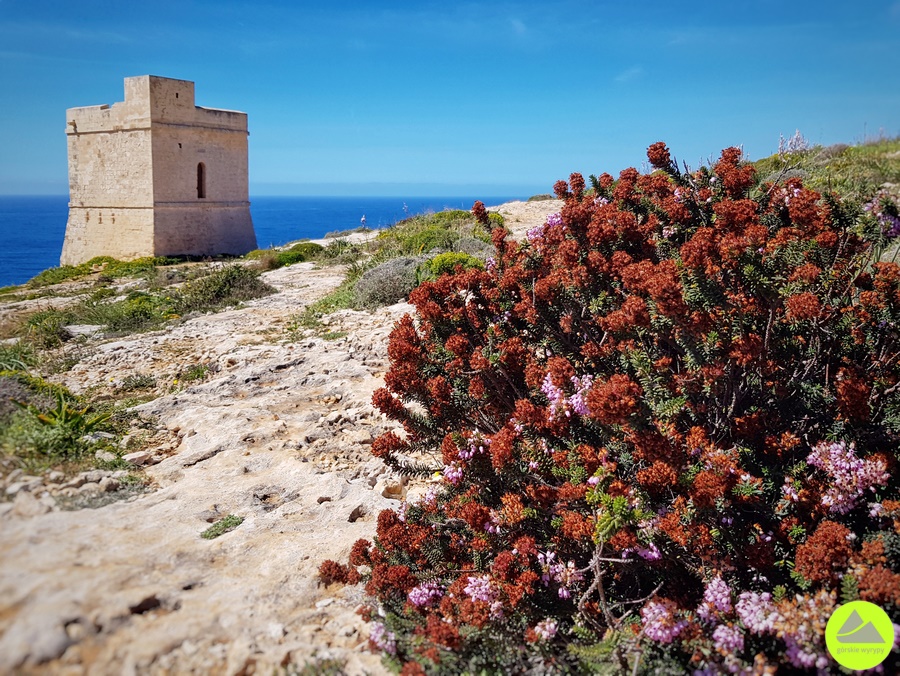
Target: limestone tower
<point>156,175</point>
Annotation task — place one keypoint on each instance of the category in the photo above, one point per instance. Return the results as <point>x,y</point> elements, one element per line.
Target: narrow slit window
<point>201,181</point>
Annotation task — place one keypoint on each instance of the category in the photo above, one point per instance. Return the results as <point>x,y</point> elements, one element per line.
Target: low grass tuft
<point>110,267</point>
<point>225,525</point>
<point>226,286</point>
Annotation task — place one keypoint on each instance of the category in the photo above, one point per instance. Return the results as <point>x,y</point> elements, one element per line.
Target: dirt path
<point>278,433</point>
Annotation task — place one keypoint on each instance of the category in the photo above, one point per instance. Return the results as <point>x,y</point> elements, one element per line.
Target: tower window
<point>201,180</point>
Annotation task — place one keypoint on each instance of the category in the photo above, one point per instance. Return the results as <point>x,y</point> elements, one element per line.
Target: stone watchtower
<point>156,175</point>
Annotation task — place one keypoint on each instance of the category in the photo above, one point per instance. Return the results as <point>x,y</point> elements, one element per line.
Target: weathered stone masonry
<point>156,175</point>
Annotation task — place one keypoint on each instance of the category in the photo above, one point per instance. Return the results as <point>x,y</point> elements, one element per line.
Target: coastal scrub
<point>665,428</point>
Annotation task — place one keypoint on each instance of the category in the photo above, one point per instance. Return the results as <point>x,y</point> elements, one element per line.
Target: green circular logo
<point>859,635</point>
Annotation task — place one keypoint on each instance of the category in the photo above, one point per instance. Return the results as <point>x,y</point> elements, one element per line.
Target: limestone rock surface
<point>278,433</point>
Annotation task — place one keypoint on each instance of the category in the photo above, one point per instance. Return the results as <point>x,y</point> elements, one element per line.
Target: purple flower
<point>757,612</point>
<point>453,473</point>
<point>535,234</point>
<point>578,401</point>
<point>788,491</point>
<point>850,476</point>
<point>650,552</point>
<point>659,623</point>
<point>545,629</point>
<point>801,655</point>
<point>728,639</point>
<point>559,403</point>
<point>555,395</point>
<point>425,594</point>
<point>545,561</point>
<point>479,589</point>
<point>476,445</point>
<point>718,594</point>
<point>384,639</point>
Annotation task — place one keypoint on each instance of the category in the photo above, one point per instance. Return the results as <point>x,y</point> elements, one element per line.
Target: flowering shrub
<point>666,426</point>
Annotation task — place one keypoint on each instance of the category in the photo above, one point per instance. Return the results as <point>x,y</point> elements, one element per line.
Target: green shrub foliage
<point>387,283</point>
<point>229,285</point>
<point>446,263</point>
<point>666,425</point>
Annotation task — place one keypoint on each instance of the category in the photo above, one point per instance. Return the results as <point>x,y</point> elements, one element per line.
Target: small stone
<point>105,456</point>
<point>93,476</point>
<point>14,475</point>
<point>324,603</point>
<point>76,482</point>
<point>76,631</point>
<point>333,417</point>
<point>358,512</point>
<point>137,458</point>
<point>360,437</point>
<point>27,505</point>
<point>391,489</point>
<point>109,485</point>
<point>55,477</point>
<point>85,330</point>
<point>324,498</point>
<point>22,486</point>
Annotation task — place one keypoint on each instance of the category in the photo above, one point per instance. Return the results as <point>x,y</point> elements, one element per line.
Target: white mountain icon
<point>856,630</point>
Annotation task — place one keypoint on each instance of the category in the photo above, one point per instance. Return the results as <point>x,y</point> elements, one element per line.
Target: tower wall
<point>156,175</point>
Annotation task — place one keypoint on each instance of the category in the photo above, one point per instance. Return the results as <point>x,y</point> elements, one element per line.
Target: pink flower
<point>453,472</point>
<point>479,589</point>
<point>850,476</point>
<point>659,622</point>
<point>383,639</point>
<point>546,629</point>
<point>426,594</point>
<point>728,639</point>
<point>756,611</point>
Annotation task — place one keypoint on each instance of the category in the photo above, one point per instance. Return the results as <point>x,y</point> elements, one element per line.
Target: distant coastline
<point>32,227</point>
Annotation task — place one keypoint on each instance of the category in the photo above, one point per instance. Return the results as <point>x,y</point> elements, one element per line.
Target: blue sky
<point>493,98</point>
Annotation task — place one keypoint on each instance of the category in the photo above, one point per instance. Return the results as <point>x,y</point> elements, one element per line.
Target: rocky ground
<point>102,575</point>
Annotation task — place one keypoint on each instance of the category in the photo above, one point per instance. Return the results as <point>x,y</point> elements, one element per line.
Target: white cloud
<point>518,26</point>
<point>629,74</point>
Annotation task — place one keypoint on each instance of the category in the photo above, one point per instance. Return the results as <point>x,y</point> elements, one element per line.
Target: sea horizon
<point>33,227</point>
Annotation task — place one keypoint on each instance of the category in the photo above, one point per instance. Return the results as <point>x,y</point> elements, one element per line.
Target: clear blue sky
<point>454,98</point>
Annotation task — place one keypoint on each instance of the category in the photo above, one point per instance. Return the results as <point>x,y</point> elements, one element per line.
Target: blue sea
<point>32,228</point>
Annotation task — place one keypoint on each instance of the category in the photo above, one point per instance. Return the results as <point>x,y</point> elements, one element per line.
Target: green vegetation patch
<point>42,425</point>
<point>225,525</point>
<point>447,263</point>
<point>270,259</point>
<point>854,172</point>
<point>105,264</point>
<point>229,285</point>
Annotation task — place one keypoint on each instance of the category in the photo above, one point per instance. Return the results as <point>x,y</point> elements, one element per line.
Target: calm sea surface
<point>32,228</point>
